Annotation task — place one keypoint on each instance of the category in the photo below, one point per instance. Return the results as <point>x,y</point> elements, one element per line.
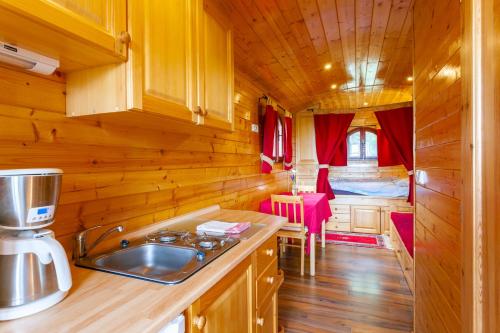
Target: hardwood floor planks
<point>355,289</point>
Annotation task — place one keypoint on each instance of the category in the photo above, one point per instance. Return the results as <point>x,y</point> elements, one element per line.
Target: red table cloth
<point>316,210</point>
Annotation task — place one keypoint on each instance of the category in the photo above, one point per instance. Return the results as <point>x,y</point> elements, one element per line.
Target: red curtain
<point>269,131</point>
<point>288,143</point>
<point>340,156</point>
<point>331,131</point>
<point>385,154</point>
<point>397,126</point>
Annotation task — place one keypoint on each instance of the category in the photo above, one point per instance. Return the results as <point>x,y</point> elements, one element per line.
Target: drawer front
<point>334,226</point>
<point>342,209</point>
<point>266,318</point>
<point>340,218</point>
<point>266,253</point>
<point>267,282</point>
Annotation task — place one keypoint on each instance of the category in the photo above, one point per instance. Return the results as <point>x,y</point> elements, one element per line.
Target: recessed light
<point>365,103</point>
<point>328,66</point>
<point>333,86</point>
<point>409,78</point>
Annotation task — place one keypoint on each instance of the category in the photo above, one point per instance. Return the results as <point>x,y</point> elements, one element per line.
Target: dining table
<point>316,213</point>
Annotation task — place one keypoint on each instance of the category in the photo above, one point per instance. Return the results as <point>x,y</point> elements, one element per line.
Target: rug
<point>362,240</point>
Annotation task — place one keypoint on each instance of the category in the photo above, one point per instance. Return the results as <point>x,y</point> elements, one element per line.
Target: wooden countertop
<point>103,302</point>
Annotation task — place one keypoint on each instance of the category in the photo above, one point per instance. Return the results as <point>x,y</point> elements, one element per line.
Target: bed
<point>387,187</point>
<point>401,234</point>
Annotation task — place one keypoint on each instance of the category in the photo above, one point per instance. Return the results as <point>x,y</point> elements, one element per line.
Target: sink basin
<point>154,262</point>
<point>167,257</point>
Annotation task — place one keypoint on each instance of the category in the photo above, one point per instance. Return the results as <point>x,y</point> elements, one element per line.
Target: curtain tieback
<point>324,166</point>
<point>410,173</point>
<point>266,159</point>
<point>288,164</point>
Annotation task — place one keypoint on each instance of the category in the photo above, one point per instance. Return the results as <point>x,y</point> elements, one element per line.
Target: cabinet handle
<point>124,37</point>
<point>270,252</point>
<point>199,322</point>
<point>270,279</point>
<point>199,110</point>
<point>260,321</point>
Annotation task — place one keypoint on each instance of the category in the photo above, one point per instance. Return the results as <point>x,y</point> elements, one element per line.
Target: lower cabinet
<point>245,300</point>
<point>267,316</point>
<point>228,306</point>
<point>365,219</point>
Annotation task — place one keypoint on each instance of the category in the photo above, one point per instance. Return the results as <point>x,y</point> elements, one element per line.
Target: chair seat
<point>291,234</point>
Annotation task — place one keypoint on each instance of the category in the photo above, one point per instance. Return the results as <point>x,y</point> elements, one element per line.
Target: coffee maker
<point>34,268</point>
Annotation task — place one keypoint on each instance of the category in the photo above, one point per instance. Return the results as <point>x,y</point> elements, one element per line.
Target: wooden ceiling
<point>284,44</point>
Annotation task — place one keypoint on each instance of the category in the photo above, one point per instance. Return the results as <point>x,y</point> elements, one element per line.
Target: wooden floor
<point>356,289</point>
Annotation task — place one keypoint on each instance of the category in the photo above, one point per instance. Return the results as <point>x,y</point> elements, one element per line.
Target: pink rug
<point>363,240</point>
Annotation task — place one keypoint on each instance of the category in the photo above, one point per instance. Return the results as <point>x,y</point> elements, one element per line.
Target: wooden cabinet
<point>245,300</point>
<point>365,219</point>
<point>267,316</point>
<point>180,66</point>
<point>216,77</point>
<point>80,33</point>
<point>385,219</point>
<point>228,306</point>
<point>163,61</point>
<point>268,281</point>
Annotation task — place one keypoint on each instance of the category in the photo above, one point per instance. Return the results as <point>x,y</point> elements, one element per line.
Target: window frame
<point>277,136</point>
<point>362,138</point>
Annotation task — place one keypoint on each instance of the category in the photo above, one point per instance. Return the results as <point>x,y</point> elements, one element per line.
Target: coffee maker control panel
<point>39,214</point>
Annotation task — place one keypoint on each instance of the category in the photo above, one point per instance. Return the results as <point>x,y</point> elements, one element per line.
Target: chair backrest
<point>306,188</point>
<point>288,204</point>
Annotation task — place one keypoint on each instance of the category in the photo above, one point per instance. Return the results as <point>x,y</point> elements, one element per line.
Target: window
<point>278,141</point>
<point>362,144</point>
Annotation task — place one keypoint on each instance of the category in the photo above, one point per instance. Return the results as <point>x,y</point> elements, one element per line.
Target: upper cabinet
<point>180,66</point>
<point>80,33</point>
<point>216,76</point>
<point>163,57</point>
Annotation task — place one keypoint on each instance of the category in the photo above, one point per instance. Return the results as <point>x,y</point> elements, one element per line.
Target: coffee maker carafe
<point>34,269</point>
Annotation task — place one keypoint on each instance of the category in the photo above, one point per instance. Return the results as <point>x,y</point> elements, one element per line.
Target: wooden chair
<point>295,229</point>
<point>312,189</point>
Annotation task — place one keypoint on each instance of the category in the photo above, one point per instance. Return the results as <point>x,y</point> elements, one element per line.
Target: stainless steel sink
<point>165,263</point>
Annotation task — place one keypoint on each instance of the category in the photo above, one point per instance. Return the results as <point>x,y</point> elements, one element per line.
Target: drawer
<point>340,218</point>
<point>334,226</point>
<point>267,282</point>
<point>342,209</point>
<point>266,253</point>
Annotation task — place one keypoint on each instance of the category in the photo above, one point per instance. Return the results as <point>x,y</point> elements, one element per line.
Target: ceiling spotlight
<point>333,86</point>
<point>409,78</point>
<point>365,103</point>
<point>327,66</point>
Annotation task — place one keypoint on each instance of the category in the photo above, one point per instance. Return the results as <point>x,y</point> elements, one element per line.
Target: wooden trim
<point>480,180</point>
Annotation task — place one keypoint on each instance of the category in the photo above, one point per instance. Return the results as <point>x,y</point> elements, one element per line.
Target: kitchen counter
<point>104,302</point>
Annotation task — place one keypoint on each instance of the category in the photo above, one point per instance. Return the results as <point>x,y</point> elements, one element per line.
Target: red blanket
<point>404,225</point>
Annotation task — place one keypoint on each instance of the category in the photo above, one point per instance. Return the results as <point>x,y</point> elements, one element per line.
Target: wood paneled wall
<point>438,152</point>
<point>131,174</point>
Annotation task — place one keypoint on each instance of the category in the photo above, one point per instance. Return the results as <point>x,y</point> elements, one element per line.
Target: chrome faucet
<point>81,248</point>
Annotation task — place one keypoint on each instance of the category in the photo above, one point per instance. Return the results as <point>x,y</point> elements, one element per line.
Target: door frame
<point>479,158</point>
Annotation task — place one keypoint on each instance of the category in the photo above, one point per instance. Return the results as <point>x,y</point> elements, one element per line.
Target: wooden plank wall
<point>130,174</point>
<point>438,152</point>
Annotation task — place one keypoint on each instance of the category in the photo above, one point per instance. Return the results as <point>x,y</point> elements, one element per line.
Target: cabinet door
<point>161,65</point>
<point>385,216</point>
<point>98,22</point>
<point>216,79</point>
<point>365,219</point>
<point>228,306</point>
<point>306,139</point>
